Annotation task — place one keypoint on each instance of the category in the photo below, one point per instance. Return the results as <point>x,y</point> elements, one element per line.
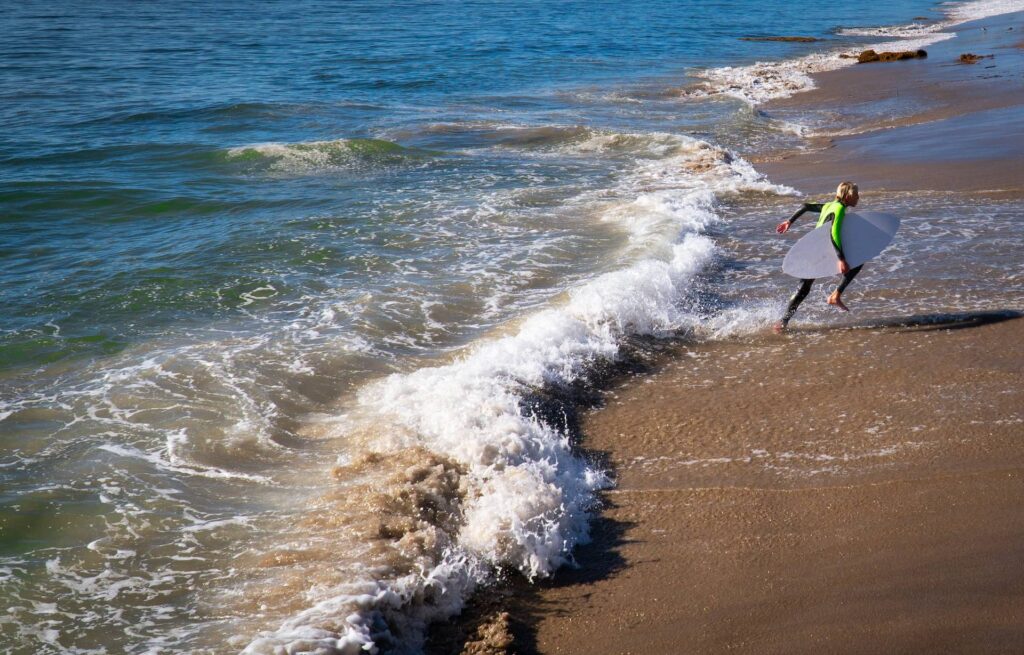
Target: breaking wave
<point>324,156</point>
<point>456,472</point>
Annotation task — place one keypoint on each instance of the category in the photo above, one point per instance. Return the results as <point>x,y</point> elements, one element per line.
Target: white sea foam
<point>967,11</point>
<point>747,319</point>
<point>528,495</point>
<point>679,176</point>
<point>160,462</point>
<point>766,80</point>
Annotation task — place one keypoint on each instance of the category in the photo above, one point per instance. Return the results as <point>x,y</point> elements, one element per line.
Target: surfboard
<point>865,235</point>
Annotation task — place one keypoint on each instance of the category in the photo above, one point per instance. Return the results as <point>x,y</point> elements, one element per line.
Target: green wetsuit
<point>836,212</point>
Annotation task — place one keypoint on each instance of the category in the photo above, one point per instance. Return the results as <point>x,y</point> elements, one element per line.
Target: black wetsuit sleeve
<point>808,207</point>
<point>839,251</point>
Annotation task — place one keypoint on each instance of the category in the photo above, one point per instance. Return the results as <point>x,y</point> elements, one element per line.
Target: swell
<point>99,202</point>
<point>566,139</point>
<point>229,112</point>
<point>349,154</point>
<point>321,156</point>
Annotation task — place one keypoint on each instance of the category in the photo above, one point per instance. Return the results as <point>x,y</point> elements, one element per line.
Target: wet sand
<point>933,123</point>
<point>839,491</point>
<point>833,491</point>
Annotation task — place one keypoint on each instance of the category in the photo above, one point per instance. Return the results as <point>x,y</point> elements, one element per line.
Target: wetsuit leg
<point>798,297</point>
<point>848,277</point>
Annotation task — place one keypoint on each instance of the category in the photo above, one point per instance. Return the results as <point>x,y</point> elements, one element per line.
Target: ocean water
<point>293,293</point>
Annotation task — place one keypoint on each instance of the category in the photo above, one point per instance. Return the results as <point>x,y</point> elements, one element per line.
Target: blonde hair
<point>845,190</point>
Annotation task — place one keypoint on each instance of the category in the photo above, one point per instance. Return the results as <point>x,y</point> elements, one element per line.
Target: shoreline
<point>939,125</point>
<point>712,542</point>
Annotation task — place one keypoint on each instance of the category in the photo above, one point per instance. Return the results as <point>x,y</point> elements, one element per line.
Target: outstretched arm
<point>782,227</point>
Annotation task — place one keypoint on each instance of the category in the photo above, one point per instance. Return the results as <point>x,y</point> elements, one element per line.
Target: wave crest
<point>320,156</point>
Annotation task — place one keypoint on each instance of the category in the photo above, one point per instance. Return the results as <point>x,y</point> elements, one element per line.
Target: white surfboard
<point>865,235</point>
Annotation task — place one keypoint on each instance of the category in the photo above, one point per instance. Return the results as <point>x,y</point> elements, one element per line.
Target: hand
<point>844,268</point>
<point>782,227</point>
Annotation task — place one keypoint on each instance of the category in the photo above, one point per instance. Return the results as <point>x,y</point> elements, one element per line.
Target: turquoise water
<point>223,226</point>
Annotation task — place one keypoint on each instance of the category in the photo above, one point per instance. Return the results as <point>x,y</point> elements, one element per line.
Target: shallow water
<point>222,231</point>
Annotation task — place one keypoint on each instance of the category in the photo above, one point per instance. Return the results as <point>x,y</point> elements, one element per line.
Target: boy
<point>847,195</point>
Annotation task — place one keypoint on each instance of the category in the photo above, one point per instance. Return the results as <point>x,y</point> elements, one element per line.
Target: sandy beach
<point>845,491</point>
<point>849,490</point>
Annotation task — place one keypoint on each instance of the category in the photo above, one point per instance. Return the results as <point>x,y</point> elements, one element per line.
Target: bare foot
<point>779,327</point>
<point>836,301</point>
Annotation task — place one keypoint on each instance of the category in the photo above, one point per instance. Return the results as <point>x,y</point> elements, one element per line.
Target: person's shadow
<point>930,322</point>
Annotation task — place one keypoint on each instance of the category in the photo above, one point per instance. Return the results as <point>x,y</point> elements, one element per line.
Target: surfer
<point>847,195</point>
